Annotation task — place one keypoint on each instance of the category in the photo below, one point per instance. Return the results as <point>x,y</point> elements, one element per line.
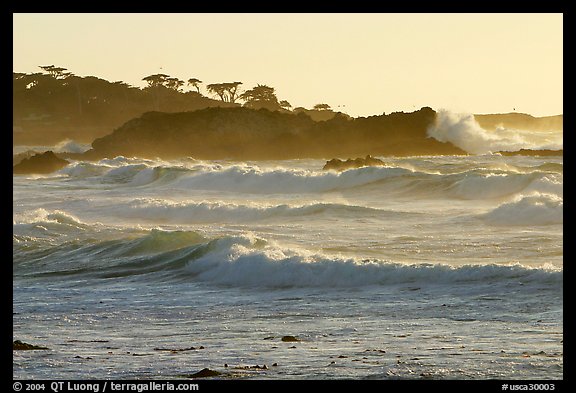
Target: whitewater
<point>437,267</point>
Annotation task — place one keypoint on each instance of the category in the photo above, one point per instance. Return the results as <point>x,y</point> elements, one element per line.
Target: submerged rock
<point>289,339</point>
<point>340,165</point>
<point>204,373</point>
<point>176,350</point>
<point>532,152</point>
<point>256,367</point>
<point>21,346</point>
<point>40,163</point>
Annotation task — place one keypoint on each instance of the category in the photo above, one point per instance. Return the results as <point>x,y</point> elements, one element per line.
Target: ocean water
<point>444,267</point>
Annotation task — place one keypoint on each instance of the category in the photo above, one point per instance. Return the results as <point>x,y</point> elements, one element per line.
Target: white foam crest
<point>548,184</point>
<point>42,222</point>
<point>249,261</point>
<point>42,215</point>
<point>282,180</point>
<point>160,210</point>
<point>491,185</point>
<point>463,131</point>
<point>534,209</point>
<point>84,169</point>
<point>121,160</point>
<point>71,146</point>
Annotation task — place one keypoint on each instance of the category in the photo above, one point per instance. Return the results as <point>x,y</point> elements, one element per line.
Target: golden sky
<point>361,64</point>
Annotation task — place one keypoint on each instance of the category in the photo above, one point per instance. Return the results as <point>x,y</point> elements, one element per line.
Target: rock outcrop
<point>248,134</point>
<point>22,346</point>
<point>340,165</point>
<point>40,163</point>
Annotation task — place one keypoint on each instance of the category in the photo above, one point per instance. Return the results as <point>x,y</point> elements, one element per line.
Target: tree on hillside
<point>219,89</point>
<point>285,105</point>
<point>74,80</point>
<point>232,90</point>
<point>156,80</point>
<point>321,107</point>
<point>195,83</point>
<point>56,72</point>
<point>174,83</point>
<point>228,91</point>
<point>261,96</point>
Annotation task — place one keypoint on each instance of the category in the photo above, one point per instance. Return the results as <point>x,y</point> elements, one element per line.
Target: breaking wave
<point>251,179</point>
<point>249,261</point>
<point>463,131</point>
<point>160,210</point>
<point>537,209</point>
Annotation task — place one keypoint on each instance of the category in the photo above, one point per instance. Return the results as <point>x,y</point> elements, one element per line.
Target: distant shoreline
<point>241,133</point>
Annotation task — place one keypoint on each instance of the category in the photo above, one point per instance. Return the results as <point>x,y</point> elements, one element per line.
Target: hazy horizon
<point>360,64</point>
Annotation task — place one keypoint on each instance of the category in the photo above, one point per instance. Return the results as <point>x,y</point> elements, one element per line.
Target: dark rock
<point>530,152</point>
<point>40,163</point>
<point>174,350</point>
<point>205,373</point>
<point>21,346</point>
<point>256,367</point>
<point>339,165</point>
<point>289,339</point>
<point>17,158</point>
<point>247,134</point>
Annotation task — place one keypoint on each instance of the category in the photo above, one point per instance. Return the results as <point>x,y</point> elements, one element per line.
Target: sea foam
<point>535,209</point>
<point>463,131</point>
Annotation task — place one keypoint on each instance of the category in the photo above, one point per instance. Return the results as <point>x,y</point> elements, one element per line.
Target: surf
<point>251,261</point>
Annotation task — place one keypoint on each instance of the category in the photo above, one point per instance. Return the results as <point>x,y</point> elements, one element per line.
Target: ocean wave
<point>163,211</point>
<point>249,261</point>
<point>535,209</point>
<point>252,179</point>
<point>70,146</point>
<point>495,185</point>
<point>42,216</point>
<point>476,183</point>
<point>463,131</point>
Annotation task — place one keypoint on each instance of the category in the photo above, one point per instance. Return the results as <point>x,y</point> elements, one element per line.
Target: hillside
<point>47,110</point>
<point>521,121</point>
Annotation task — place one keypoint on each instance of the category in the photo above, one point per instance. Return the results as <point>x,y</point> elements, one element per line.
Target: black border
<point>333,7</point>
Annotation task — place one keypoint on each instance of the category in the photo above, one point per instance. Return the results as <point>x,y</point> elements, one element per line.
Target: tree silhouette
<point>219,89</point>
<point>228,91</point>
<point>321,107</point>
<point>261,96</point>
<point>156,79</point>
<point>155,82</point>
<point>76,82</point>
<point>56,72</point>
<point>232,89</point>
<point>285,104</point>
<point>174,83</point>
<point>195,83</point>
